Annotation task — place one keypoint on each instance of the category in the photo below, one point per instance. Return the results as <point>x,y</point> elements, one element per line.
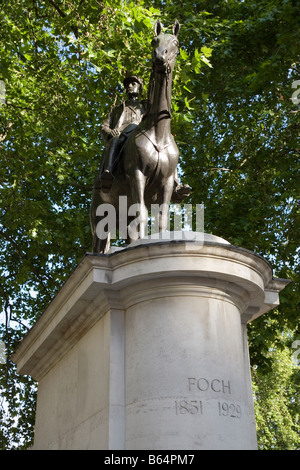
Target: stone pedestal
<point>146,348</point>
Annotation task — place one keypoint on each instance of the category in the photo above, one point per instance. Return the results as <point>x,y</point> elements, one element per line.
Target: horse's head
<point>165,48</point>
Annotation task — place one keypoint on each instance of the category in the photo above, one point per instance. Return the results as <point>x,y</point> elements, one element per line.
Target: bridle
<point>167,72</point>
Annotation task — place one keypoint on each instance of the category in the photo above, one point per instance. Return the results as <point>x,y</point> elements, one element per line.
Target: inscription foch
<point>215,385</point>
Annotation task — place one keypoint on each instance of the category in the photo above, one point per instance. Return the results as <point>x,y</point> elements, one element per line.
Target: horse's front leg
<point>164,204</point>
<point>138,227</point>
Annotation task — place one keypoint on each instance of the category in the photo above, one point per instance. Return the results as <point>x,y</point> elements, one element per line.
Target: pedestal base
<point>146,348</point>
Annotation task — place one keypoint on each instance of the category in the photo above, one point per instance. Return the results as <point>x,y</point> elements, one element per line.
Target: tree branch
<point>3,136</point>
<point>218,169</point>
<point>63,15</point>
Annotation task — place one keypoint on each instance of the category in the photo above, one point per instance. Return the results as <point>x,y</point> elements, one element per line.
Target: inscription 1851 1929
<point>195,407</point>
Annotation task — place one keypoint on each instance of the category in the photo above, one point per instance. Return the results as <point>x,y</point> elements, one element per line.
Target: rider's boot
<point>106,181</point>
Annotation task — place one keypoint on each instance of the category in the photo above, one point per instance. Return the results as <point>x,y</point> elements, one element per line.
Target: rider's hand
<point>114,132</point>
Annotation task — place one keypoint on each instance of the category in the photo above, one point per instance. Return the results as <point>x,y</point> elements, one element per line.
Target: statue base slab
<point>146,348</point>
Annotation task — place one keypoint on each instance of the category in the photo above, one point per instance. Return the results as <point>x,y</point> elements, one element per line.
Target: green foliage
<point>277,405</point>
<point>62,63</point>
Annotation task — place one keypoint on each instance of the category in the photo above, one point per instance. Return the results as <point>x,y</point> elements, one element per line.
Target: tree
<point>62,63</point>
<point>276,406</point>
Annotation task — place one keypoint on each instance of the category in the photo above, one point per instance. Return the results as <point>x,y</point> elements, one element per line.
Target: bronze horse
<point>148,165</point>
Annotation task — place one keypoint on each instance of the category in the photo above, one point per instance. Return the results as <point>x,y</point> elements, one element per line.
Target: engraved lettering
<point>192,407</point>
<point>226,386</point>
<point>192,381</point>
<point>214,387</point>
<point>232,410</point>
<point>203,384</point>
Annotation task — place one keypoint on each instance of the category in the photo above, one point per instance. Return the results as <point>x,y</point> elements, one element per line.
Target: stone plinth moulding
<point>146,348</point>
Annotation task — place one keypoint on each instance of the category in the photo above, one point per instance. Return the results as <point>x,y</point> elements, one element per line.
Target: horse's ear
<point>176,28</point>
<point>157,28</point>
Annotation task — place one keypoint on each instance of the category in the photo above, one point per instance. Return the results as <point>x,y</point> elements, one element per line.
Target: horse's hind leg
<point>98,245</point>
<point>104,244</point>
<point>93,221</point>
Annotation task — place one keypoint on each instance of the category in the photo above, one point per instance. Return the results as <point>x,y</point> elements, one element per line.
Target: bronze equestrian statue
<point>141,163</point>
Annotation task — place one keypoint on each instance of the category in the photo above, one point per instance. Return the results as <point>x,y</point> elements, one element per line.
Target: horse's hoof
<point>184,190</point>
<point>181,192</point>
